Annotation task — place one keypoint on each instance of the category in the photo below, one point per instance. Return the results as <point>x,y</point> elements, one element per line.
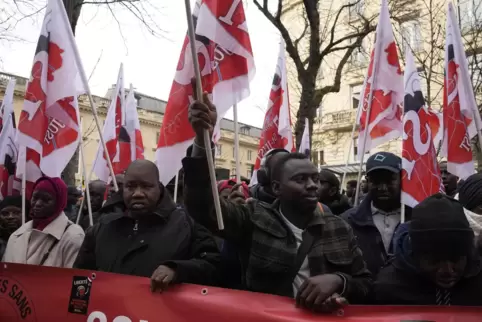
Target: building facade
<point>151,111</point>
<point>417,24</point>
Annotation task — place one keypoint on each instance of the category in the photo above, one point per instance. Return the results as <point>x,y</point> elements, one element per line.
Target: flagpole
<point>24,185</point>
<point>85,81</point>
<point>350,147</point>
<point>236,143</point>
<point>376,59</point>
<point>199,91</point>
<point>86,180</point>
<point>176,184</point>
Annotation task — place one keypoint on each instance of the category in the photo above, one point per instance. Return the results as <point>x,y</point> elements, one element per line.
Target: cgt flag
<point>384,78</point>
<point>227,67</point>
<point>49,122</point>
<point>133,126</point>
<point>276,132</point>
<point>460,112</point>
<point>116,136</point>
<point>420,169</point>
<point>8,147</point>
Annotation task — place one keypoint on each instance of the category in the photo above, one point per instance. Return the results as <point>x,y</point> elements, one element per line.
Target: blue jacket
<point>368,236</point>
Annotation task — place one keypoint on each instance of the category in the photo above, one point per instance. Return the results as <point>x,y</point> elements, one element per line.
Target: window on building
<point>412,35</point>
<point>360,55</point>
<point>322,157</point>
<point>355,95</point>
<point>470,14</point>
<point>218,150</point>
<point>250,155</point>
<point>234,155</point>
<point>423,83</point>
<point>244,130</point>
<point>355,150</point>
<point>158,135</point>
<point>249,174</point>
<point>357,9</point>
<point>233,172</point>
<point>314,158</point>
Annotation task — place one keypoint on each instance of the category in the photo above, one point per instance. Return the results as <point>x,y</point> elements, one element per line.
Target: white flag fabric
<point>8,147</point>
<point>133,127</point>
<point>227,67</point>
<point>114,133</point>
<point>277,132</point>
<point>460,112</point>
<point>385,80</point>
<point>49,122</point>
<point>305,140</point>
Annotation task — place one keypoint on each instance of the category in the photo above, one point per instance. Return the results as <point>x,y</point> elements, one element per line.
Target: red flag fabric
<point>115,134</point>
<point>8,146</point>
<point>277,132</point>
<point>420,169</point>
<point>49,122</point>
<point>384,78</point>
<point>47,294</point>
<point>227,66</point>
<point>460,109</point>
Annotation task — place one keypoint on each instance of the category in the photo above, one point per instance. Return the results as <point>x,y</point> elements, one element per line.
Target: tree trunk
<point>73,8</point>
<point>307,110</point>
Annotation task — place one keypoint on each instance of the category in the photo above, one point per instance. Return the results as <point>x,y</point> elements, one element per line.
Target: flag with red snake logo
<point>115,134</point>
<point>8,146</point>
<point>277,132</point>
<point>460,112</point>
<point>227,67</point>
<point>49,122</point>
<point>420,169</point>
<point>385,80</point>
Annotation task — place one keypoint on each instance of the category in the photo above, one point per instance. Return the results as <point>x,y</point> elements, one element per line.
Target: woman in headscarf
<point>10,218</point>
<point>50,238</point>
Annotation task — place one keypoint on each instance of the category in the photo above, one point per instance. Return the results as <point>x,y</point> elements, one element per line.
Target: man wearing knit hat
<point>436,261</point>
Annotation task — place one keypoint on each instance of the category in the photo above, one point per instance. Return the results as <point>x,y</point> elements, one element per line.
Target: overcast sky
<point>149,61</point>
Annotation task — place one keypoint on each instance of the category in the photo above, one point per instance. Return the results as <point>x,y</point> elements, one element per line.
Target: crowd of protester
<point>295,233</point>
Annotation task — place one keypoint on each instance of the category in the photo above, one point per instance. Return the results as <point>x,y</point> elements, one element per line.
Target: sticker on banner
<point>20,306</point>
<point>80,295</point>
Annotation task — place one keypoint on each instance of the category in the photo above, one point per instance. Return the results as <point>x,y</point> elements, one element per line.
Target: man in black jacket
<point>436,261</point>
<point>154,238</point>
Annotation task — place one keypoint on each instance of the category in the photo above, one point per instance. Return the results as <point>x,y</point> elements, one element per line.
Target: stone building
<point>151,111</point>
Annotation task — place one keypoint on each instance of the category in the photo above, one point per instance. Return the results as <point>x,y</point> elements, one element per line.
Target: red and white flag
<point>460,112</point>
<point>8,147</point>
<point>384,77</point>
<point>227,67</point>
<point>49,122</point>
<point>133,126</point>
<point>277,132</point>
<point>420,169</point>
<point>115,134</point>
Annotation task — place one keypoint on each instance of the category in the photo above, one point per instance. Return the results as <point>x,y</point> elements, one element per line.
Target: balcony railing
<point>338,121</point>
<point>20,84</point>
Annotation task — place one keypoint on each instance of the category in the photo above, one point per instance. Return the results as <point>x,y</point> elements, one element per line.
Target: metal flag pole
<point>24,185</point>
<point>176,185</point>
<point>207,138</point>
<point>87,180</point>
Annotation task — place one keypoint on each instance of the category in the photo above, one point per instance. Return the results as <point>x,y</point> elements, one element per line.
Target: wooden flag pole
<point>207,138</point>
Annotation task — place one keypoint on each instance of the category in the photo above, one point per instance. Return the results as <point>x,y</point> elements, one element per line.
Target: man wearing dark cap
<point>375,220</point>
<point>436,261</point>
<point>330,193</point>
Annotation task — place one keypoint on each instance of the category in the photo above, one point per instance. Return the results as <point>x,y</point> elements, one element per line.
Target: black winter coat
<point>401,282</point>
<point>124,245</point>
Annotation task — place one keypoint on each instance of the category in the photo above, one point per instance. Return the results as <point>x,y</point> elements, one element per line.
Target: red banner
<point>42,294</point>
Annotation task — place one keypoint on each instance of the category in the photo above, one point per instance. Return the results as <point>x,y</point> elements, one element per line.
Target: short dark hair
<point>352,183</point>
<point>278,167</point>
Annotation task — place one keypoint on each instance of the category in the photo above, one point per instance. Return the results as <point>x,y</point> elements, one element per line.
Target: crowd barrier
<point>43,294</point>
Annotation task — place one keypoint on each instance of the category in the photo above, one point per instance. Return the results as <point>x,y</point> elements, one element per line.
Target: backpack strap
<point>54,243</point>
